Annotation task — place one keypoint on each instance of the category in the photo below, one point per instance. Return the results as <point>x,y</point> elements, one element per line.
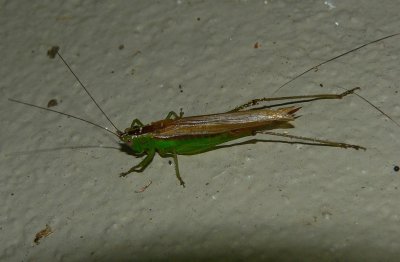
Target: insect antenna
<point>86,90</point>
<point>377,108</point>
<point>337,57</point>
<point>334,58</point>
<point>65,114</point>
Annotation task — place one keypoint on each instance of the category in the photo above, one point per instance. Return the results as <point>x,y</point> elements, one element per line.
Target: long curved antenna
<point>87,92</point>
<point>65,114</point>
<point>334,58</point>
<point>377,108</point>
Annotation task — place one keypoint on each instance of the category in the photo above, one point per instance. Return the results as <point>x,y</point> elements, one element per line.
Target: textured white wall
<point>268,200</point>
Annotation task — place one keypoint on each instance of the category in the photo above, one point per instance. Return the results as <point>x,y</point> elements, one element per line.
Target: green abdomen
<point>192,145</point>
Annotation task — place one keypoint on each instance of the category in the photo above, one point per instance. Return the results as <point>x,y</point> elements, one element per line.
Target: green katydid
<point>178,135</point>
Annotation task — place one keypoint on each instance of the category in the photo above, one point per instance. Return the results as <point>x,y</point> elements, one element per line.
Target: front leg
<point>136,123</point>
<point>142,165</point>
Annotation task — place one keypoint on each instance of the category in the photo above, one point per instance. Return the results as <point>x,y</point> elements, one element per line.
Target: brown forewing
<point>222,123</point>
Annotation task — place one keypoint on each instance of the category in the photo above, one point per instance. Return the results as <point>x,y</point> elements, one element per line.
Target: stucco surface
<point>142,59</point>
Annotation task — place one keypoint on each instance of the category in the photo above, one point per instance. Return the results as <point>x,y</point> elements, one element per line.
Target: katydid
<point>178,135</point>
